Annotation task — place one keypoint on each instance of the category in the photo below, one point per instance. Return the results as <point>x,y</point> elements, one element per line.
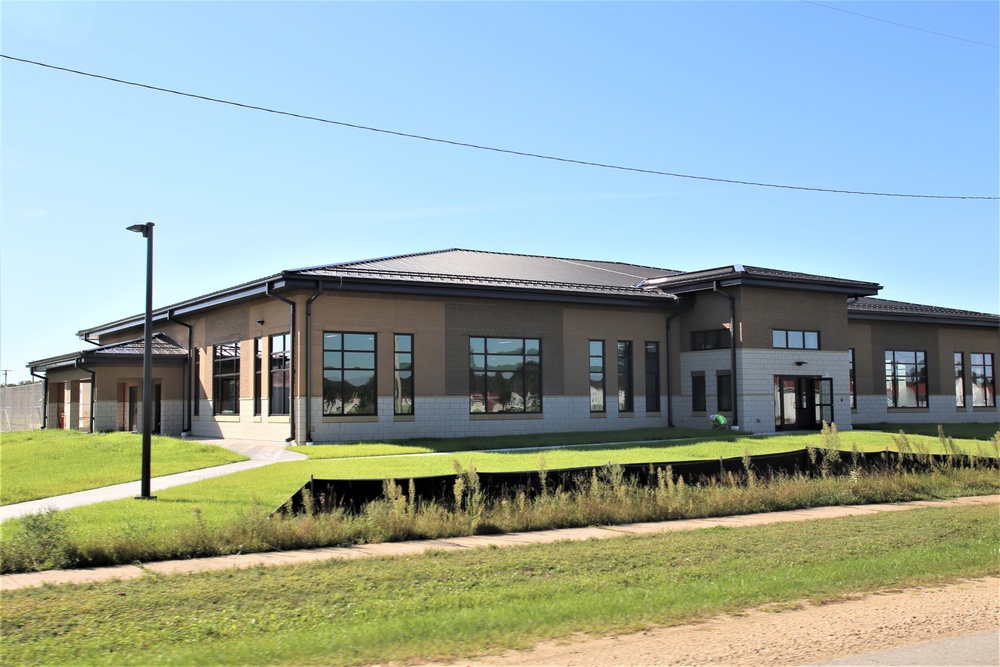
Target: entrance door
<point>802,403</point>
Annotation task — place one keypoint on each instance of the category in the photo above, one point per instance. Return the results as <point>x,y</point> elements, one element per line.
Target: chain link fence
<point>21,407</point>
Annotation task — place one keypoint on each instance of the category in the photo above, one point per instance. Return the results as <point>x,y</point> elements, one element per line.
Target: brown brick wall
<point>762,309</point>
<point>873,338</point>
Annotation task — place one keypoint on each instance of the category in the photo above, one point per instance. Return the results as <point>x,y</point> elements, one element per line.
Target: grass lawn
<point>44,463</point>
<point>449,605</point>
<point>971,431</point>
<point>221,499</point>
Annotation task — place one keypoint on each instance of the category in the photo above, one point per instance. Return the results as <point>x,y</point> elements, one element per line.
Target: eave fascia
<point>849,289</point>
<point>412,288</point>
<point>925,319</point>
<point>161,315</point>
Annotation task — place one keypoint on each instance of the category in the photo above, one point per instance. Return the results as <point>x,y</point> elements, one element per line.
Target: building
<point>460,342</point>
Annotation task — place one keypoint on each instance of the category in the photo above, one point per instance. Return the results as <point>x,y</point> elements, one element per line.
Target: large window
<point>853,376</point>
<point>724,392</point>
<point>983,385</point>
<point>959,380</point>
<point>196,388</point>
<point>226,378</point>
<point>505,375</point>
<point>797,340</point>
<point>710,339</point>
<point>257,358</point>
<point>348,374</point>
<point>402,375</point>
<point>652,376</point>
<point>698,402</point>
<point>597,376</point>
<point>279,397</point>
<point>905,379</point>
<point>626,396</point>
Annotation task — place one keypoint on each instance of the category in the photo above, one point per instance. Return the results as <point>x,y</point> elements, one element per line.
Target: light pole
<point>147,362</point>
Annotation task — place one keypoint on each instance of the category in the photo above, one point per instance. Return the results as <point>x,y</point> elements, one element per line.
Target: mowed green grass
<point>450,605</point>
<point>44,463</point>
<point>219,500</point>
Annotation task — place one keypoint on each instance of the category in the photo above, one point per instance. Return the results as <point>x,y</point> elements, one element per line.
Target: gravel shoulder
<point>800,634</point>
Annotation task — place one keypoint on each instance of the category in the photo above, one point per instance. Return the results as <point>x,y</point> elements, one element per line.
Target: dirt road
<point>802,635</point>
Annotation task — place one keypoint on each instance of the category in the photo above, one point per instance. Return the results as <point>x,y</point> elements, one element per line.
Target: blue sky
<point>788,93</point>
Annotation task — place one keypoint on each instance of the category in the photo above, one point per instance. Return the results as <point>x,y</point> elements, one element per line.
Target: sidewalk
<point>259,453</point>
<point>273,559</point>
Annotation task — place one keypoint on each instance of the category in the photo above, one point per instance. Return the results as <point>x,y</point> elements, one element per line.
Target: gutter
<point>732,350</point>
<point>308,392</point>
<point>291,380</point>
<point>93,389</point>
<point>45,394</point>
<point>186,377</point>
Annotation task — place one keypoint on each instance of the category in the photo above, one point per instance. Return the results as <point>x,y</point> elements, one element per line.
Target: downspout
<point>45,394</point>
<point>309,302</point>
<point>186,377</point>
<point>732,350</point>
<point>291,333</point>
<point>93,390</point>
<point>670,401</point>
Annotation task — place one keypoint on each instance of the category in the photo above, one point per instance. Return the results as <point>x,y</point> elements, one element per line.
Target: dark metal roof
<point>867,308</point>
<point>476,267</point>
<point>739,274</point>
<point>165,350</point>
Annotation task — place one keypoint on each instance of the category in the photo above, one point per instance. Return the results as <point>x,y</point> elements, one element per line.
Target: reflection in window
<point>348,374</point>
<point>597,376</point>
<point>226,378</point>
<point>505,375</point>
<point>796,340</point>
<point>625,385</point>
<point>905,379</point>
<point>983,384</point>
<point>854,389</point>
<point>959,381</point>
<point>402,375</point>
<point>280,368</point>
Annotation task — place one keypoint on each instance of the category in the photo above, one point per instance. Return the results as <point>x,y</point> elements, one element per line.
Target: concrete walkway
<point>55,577</point>
<point>259,454</point>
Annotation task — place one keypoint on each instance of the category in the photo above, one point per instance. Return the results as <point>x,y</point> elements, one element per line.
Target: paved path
<point>259,453</point>
<point>977,649</point>
<point>32,579</point>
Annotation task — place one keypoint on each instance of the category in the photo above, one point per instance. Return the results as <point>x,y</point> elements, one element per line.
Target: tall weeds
<point>605,497</point>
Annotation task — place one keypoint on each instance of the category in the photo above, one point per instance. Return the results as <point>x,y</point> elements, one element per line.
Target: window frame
<point>652,364</point>
<point>279,365</point>
<point>724,392</point>
<point>988,385</point>
<point>228,378</point>
<point>785,336</point>
<point>699,393</point>
<point>893,379</point>
<point>626,377</point>
<point>398,393</point>
<point>490,352</point>
<point>258,354</point>
<point>711,339</point>
<point>853,378</point>
<point>370,408</point>
<point>959,361</point>
<point>597,377</point>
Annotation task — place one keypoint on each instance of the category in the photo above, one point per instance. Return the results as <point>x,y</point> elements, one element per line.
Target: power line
<point>482,148</point>
<point>901,25</point>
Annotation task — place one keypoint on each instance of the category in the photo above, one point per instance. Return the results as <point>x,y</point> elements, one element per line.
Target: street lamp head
<point>141,229</point>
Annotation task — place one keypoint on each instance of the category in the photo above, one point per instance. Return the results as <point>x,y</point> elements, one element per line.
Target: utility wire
<point>901,25</point>
<point>482,148</point>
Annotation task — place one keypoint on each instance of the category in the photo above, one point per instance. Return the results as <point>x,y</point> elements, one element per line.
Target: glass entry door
<point>802,403</point>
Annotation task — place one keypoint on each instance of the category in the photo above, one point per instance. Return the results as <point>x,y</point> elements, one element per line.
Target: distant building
<point>464,343</point>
